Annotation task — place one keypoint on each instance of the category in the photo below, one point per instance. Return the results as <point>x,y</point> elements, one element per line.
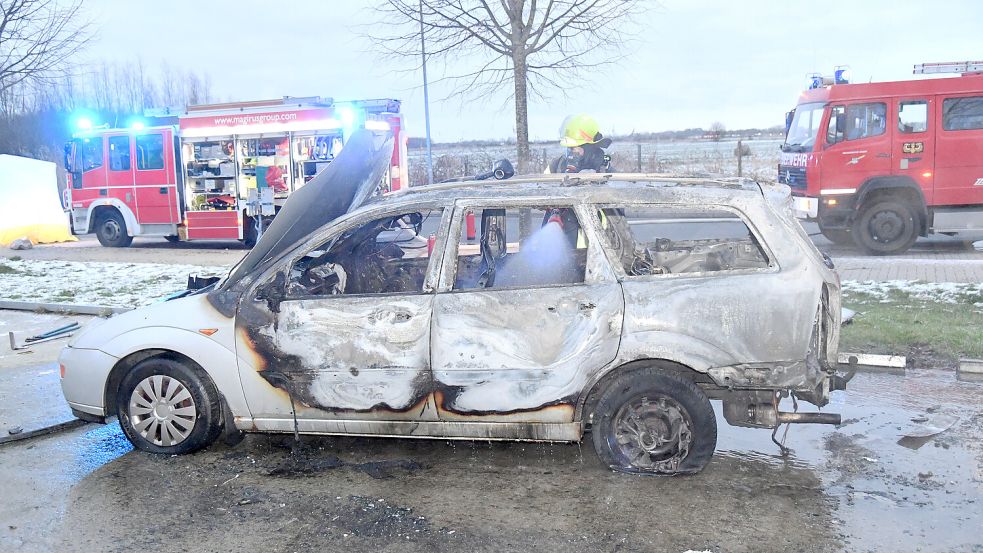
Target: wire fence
<point>696,158</point>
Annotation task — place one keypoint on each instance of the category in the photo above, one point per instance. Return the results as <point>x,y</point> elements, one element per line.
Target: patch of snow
<point>96,283</point>
<point>890,290</point>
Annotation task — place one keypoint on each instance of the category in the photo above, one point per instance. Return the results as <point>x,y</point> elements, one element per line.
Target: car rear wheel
<point>166,406</point>
<point>111,230</point>
<point>885,227</point>
<point>651,422</point>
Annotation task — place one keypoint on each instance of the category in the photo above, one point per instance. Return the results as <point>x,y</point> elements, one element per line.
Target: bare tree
<point>717,130</point>
<point>38,41</point>
<point>533,45</point>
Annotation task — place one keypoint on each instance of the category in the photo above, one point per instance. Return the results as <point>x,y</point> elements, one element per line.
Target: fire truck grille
<point>795,177</point>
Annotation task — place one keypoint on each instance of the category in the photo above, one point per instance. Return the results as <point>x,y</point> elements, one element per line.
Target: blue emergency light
<point>840,75</point>
<point>137,125</point>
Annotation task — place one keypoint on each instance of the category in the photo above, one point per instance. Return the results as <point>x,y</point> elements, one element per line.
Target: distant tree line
<point>695,133</point>
<point>36,121</point>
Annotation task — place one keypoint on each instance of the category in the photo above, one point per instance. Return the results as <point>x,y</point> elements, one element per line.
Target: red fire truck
<point>217,171</point>
<point>881,164</point>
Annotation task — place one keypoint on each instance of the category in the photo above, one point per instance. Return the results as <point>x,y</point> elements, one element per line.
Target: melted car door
<point>528,311</point>
<point>343,331</point>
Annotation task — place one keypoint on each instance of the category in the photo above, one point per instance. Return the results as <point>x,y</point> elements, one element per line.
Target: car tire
<point>652,422</point>
<point>111,230</point>
<point>885,227</point>
<point>167,406</point>
<point>838,237</point>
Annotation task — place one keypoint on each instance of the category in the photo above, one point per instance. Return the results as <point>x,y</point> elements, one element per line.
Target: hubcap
<point>886,226</point>
<point>162,410</point>
<point>111,229</point>
<point>654,433</point>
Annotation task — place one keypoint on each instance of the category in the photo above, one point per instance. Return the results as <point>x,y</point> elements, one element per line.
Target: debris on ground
<point>21,244</point>
<point>847,315</point>
<point>873,360</point>
<point>971,366</point>
<point>925,429</point>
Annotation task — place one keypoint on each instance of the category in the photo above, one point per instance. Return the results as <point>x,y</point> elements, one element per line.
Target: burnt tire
<point>166,406</point>
<point>651,422</point>
<point>838,236</point>
<point>885,227</point>
<point>111,230</point>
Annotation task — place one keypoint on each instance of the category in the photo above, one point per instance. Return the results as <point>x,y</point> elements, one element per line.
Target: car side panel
<point>717,320</point>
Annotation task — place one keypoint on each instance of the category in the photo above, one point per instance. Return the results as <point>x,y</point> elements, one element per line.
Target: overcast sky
<point>698,61</point>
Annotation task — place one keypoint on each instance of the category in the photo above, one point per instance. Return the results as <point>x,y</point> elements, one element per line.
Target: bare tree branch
<point>481,46</point>
<point>39,40</point>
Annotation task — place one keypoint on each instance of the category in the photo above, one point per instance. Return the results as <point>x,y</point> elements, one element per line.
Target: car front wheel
<point>652,422</point>
<point>166,406</point>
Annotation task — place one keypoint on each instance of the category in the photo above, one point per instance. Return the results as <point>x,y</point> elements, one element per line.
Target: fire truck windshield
<point>804,128</point>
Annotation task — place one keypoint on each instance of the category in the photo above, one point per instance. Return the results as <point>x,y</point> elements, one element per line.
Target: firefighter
<point>585,147</point>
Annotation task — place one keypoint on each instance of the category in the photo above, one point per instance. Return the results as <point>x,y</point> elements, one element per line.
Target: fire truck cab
<point>218,171</point>
<point>881,164</point>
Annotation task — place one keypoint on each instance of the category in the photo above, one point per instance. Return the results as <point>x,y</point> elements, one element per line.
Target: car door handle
<point>882,154</point>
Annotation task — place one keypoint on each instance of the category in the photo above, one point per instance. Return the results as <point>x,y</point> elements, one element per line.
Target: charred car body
<point>536,308</point>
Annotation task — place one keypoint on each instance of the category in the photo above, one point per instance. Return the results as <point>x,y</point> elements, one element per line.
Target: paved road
<point>933,259</point>
<point>858,487</point>
<point>936,259</point>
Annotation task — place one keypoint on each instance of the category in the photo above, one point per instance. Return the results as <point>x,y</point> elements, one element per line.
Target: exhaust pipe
<point>808,418</point>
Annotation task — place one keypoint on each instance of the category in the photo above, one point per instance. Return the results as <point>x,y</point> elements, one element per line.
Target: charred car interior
<point>385,256</point>
<point>659,240</point>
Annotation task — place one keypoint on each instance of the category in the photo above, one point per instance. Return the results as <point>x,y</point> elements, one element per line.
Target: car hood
<point>348,181</point>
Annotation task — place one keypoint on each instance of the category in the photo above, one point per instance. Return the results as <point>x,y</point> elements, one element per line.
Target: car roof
<point>588,187</point>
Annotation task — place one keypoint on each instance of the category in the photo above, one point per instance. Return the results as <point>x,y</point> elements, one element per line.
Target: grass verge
<point>896,325</point>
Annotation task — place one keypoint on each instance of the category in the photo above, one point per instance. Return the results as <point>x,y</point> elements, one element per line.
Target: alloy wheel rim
<point>654,433</point>
<point>162,410</point>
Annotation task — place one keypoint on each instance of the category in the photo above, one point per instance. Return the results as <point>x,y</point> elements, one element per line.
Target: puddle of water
<point>889,494</point>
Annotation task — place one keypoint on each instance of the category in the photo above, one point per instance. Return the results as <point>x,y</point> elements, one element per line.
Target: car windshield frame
<point>802,138</point>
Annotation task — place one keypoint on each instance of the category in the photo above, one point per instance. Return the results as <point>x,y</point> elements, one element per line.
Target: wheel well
<point>125,364</point>
<point>669,367</point>
<point>99,213</point>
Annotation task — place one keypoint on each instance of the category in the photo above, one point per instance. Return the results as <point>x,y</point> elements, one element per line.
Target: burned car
<point>548,307</point>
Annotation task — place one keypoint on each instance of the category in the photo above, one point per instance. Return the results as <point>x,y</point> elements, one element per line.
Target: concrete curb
<point>67,308</point>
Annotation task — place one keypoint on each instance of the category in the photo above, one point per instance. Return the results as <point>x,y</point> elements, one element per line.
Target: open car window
<point>388,255</point>
<point>661,240</point>
<point>520,248</point>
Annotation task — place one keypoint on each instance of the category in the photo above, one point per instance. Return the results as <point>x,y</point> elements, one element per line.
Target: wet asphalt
<point>847,488</point>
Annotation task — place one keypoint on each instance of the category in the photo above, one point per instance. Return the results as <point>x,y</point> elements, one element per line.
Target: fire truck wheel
<point>173,238</point>
<point>111,231</point>
<point>838,237</point>
<point>885,227</point>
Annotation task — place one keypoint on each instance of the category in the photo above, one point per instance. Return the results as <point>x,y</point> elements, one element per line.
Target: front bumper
<point>805,208</point>
<point>84,380</point>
